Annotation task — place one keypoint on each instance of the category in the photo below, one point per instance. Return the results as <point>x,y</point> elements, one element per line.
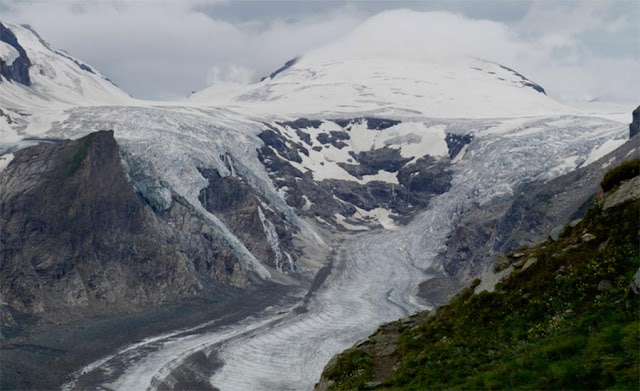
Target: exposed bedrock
<point>634,126</point>
<point>283,68</point>
<point>76,239</point>
<point>417,181</point>
<point>18,69</point>
<point>456,142</point>
<point>264,231</point>
<point>530,216</point>
<point>372,122</point>
<point>371,162</point>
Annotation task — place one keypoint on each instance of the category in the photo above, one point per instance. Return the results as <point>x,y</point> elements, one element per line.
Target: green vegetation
<point>72,158</point>
<point>623,172</point>
<point>353,370</point>
<point>569,321</point>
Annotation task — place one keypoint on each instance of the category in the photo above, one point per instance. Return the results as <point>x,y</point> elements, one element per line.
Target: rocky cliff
<point>346,185</point>
<point>18,68</point>
<point>505,224</point>
<point>76,239</point>
<point>634,126</point>
<point>560,314</point>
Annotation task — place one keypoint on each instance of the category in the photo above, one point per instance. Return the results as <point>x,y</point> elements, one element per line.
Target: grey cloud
<point>577,50</point>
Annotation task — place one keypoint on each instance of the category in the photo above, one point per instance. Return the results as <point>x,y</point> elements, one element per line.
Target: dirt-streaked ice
<point>374,274</point>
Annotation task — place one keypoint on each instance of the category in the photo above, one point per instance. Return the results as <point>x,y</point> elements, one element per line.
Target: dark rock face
<point>456,142</point>
<point>77,240</point>
<point>370,162</point>
<point>286,66</point>
<point>529,217</point>
<point>372,122</point>
<point>418,181</point>
<point>80,65</point>
<point>18,71</point>
<point>273,138</point>
<point>248,215</point>
<point>298,186</point>
<point>634,126</point>
<point>335,138</point>
<point>301,123</point>
<point>426,175</point>
<point>525,82</point>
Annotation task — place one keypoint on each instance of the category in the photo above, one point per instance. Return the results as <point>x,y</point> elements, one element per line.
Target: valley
<point>240,241</point>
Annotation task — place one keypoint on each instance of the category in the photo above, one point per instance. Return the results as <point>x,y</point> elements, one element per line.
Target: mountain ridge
<point>560,314</point>
<point>343,210</point>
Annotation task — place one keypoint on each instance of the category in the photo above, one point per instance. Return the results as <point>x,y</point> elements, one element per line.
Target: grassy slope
<point>547,327</point>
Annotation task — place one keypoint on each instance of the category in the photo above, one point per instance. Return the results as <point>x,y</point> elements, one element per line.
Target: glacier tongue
<point>513,135</point>
<point>374,274</point>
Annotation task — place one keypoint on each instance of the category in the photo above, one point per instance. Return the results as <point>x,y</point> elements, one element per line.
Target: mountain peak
<point>49,75</point>
<point>464,87</point>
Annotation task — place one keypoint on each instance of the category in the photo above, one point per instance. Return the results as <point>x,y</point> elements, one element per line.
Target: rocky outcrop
<point>372,122</point>
<point>286,66</point>
<point>537,297</point>
<point>503,225</point>
<point>524,81</point>
<point>77,240</point>
<point>417,183</point>
<point>265,233</point>
<point>370,162</point>
<point>634,126</point>
<point>381,349</point>
<point>18,69</point>
<point>456,143</point>
<point>628,192</point>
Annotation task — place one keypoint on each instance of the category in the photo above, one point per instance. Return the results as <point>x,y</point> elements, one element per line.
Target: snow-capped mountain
<point>465,88</point>
<point>406,73</point>
<point>342,176</point>
<point>50,76</point>
<point>41,82</point>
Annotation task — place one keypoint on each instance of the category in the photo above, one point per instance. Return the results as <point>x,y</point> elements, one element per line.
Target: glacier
<point>520,136</point>
<point>374,275</point>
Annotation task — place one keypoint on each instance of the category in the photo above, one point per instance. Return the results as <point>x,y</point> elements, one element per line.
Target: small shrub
<point>354,368</point>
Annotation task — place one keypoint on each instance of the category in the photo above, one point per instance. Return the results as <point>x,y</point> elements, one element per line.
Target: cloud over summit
<point>167,49</point>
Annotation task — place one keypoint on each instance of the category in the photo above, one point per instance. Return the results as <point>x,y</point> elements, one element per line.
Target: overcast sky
<point>577,50</point>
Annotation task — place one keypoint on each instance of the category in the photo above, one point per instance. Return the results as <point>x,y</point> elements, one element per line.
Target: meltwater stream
<point>372,278</point>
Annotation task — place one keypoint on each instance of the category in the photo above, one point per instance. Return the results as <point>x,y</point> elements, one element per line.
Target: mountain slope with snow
<point>41,82</point>
<point>55,77</point>
<point>466,88</point>
<point>351,204</point>
<point>416,70</point>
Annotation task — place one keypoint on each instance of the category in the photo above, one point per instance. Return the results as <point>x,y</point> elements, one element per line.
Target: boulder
<point>518,264</point>
<point>575,222</point>
<point>530,262</point>
<point>555,233</point>
<point>501,263</point>
<point>627,192</point>
<point>490,280</point>
<point>604,286</point>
